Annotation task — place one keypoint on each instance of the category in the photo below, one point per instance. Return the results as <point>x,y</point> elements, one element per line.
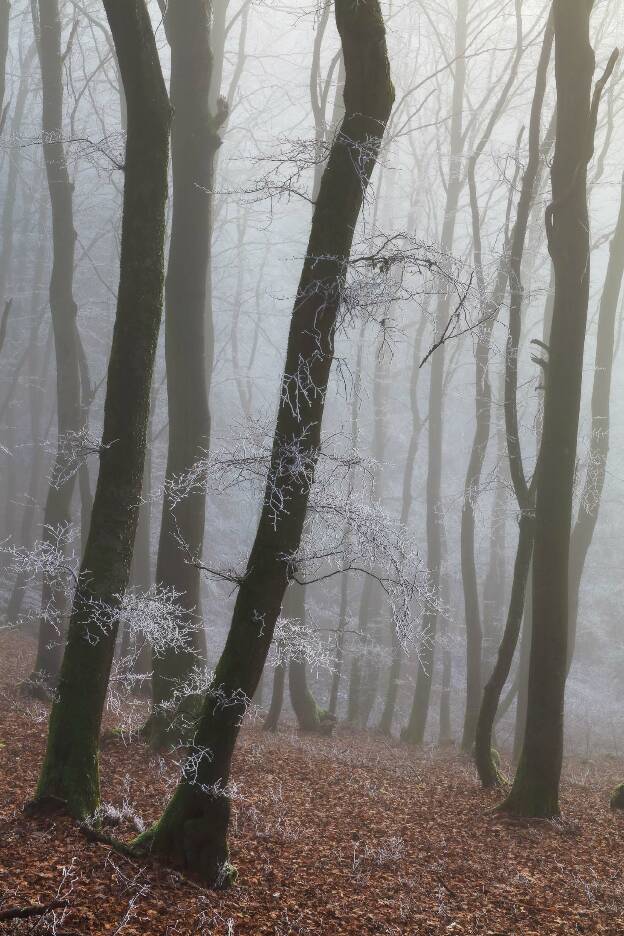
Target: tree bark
<point>525,494</point>
<point>70,769</point>
<point>194,143</point>
<point>192,832</point>
<point>535,792</point>
<point>64,311</point>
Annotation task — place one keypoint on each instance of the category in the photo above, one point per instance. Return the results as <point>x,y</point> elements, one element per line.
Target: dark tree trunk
<point>535,791</point>
<point>194,143</point>
<point>70,769</point>
<point>63,308</point>
<point>523,672</point>
<point>486,765</point>
<point>193,830</point>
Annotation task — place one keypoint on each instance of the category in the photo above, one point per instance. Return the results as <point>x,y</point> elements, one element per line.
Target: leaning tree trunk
<point>414,733</point>
<point>535,791</point>
<point>591,496</point>
<point>525,495</point>
<point>64,311</point>
<point>70,769</point>
<point>194,143</point>
<point>193,830</point>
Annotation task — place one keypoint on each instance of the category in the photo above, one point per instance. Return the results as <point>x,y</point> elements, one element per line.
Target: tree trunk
<point>194,143</point>
<point>193,830</point>
<point>591,496</point>
<point>486,765</point>
<point>70,769</point>
<point>535,792</point>
<point>414,733</point>
<point>271,722</point>
<point>64,311</point>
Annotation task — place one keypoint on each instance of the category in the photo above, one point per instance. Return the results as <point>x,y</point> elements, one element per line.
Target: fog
<point>409,521</point>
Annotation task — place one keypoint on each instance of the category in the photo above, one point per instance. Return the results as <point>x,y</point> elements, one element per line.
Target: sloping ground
<point>352,835</point>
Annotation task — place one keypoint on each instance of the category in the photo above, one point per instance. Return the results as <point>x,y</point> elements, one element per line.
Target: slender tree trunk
<point>591,496</point>
<point>70,768</point>
<point>486,765</point>
<point>394,672</point>
<point>64,311</point>
<point>535,791</point>
<point>193,830</point>
<point>523,671</point>
<point>194,143</point>
<point>490,305</point>
<point>271,722</point>
<point>414,733</point>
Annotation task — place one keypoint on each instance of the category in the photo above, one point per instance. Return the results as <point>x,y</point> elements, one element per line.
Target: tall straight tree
<point>535,791</point>
<point>70,769</point>
<point>194,143</point>
<point>64,310</point>
<point>414,732</point>
<point>192,833</point>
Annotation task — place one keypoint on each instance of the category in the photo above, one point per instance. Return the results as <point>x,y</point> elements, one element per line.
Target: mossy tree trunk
<point>70,768</point>
<point>194,143</point>
<point>64,311</point>
<point>535,792</point>
<point>192,833</point>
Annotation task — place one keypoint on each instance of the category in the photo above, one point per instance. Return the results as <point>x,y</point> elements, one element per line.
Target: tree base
<point>617,797</point>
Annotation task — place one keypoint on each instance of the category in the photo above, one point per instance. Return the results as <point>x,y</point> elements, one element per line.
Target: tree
<point>70,768</point>
<point>414,732</point>
<point>64,311</point>
<point>524,490</point>
<point>589,506</point>
<point>192,832</point>
<point>535,791</point>
<point>490,304</point>
<point>194,144</point>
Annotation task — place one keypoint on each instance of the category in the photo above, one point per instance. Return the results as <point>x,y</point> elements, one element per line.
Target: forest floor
<point>353,835</point>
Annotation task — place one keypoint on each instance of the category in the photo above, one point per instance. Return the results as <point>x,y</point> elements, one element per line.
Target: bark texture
<point>70,769</point>
<point>192,832</point>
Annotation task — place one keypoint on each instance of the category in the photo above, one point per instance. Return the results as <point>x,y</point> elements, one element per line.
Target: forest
<point>311,371</point>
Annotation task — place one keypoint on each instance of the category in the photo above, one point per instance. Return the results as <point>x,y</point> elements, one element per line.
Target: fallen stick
<point>24,913</point>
